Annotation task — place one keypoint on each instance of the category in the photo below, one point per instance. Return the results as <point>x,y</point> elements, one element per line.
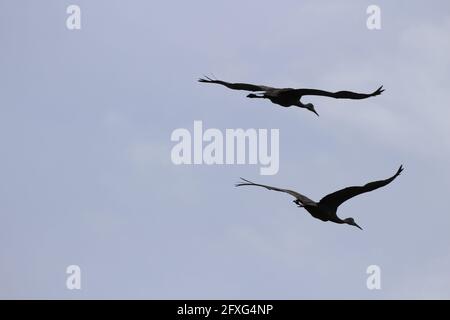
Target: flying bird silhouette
<point>326,208</point>
<point>288,97</point>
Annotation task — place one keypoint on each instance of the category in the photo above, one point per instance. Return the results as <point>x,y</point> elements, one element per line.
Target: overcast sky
<point>86,175</point>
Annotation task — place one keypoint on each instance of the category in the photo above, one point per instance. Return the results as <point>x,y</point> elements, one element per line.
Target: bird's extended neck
<point>308,106</point>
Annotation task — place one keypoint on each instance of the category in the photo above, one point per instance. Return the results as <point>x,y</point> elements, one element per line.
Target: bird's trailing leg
<point>297,202</point>
<point>252,95</point>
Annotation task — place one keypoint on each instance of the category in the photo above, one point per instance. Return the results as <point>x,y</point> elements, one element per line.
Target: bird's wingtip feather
<point>247,181</point>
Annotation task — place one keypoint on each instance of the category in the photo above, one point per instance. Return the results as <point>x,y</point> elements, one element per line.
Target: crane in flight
<point>326,208</point>
<point>287,97</point>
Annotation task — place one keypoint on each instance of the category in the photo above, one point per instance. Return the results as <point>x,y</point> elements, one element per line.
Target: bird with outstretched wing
<point>288,97</point>
<point>326,208</point>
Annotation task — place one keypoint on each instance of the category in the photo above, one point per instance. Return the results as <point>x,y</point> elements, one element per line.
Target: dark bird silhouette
<point>288,97</point>
<point>326,208</point>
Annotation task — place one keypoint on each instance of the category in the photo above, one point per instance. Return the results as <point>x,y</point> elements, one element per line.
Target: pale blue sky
<point>86,176</point>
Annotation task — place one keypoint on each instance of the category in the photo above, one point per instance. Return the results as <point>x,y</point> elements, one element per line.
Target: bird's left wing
<point>236,86</point>
<point>303,199</point>
<point>335,199</point>
<point>338,94</point>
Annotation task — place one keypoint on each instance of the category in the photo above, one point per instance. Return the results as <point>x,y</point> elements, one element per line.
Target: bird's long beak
<point>315,112</point>
<point>356,225</point>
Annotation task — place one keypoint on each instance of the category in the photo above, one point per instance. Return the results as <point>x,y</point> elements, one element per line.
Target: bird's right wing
<point>335,199</point>
<point>236,86</point>
<point>336,95</point>
<point>303,199</point>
